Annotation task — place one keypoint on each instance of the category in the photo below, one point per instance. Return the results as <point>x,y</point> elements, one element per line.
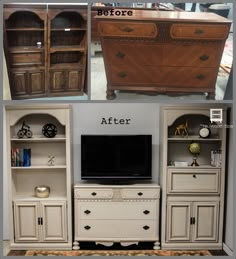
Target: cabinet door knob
<point>94,193</point>
<point>204,57</point>
<point>194,176</point>
<point>87,227</point>
<point>39,221</point>
<point>120,54</point>
<point>140,193</point>
<point>199,31</point>
<point>127,29</point>
<point>87,212</point>
<point>146,227</point>
<point>122,74</point>
<point>200,77</point>
<point>146,212</point>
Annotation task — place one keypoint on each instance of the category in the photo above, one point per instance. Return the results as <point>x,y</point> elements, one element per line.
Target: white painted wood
<point>193,181</point>
<point>113,218</point>
<point>178,221</point>
<point>179,187</point>
<point>54,221</point>
<point>227,250</point>
<point>26,222</point>
<point>206,225</point>
<point>55,211</point>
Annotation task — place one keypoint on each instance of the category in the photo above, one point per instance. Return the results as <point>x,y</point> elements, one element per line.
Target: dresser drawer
<point>199,31</point>
<point>23,58</point>
<point>117,229</point>
<point>128,29</point>
<point>124,53</point>
<point>93,194</point>
<point>194,55</point>
<point>188,181</point>
<point>117,210</point>
<point>140,194</point>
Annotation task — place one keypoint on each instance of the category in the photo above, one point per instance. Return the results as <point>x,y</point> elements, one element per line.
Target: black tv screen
<point>116,157</point>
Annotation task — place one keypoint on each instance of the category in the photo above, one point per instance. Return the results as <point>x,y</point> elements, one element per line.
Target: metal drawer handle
<point>127,29</point>
<point>140,193</point>
<point>204,57</point>
<point>199,31</point>
<point>146,212</point>
<point>146,227</point>
<point>120,54</point>
<point>122,74</point>
<point>200,77</point>
<point>87,212</point>
<point>94,193</point>
<point>194,176</point>
<point>87,227</point>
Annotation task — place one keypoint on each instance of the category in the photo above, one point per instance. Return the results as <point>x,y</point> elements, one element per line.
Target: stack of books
<point>20,157</point>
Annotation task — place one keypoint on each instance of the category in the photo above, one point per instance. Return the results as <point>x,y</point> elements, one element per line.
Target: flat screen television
<point>116,157</point>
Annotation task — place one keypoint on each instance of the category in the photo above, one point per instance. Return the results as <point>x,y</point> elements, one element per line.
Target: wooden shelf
<point>31,197</point>
<point>194,167</point>
<point>33,167</point>
<point>69,29</point>
<point>25,49</point>
<point>59,138</point>
<point>67,48</point>
<point>77,66</point>
<point>25,29</point>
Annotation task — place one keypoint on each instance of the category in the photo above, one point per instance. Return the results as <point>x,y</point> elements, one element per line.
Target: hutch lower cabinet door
<point>40,221</point>
<point>192,221</point>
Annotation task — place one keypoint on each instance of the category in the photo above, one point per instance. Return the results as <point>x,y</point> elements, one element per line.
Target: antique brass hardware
<point>199,31</point>
<point>87,227</point>
<point>146,212</point>
<point>146,227</point>
<point>127,29</point>
<point>94,193</point>
<point>204,57</point>
<point>194,176</point>
<point>87,212</point>
<point>120,54</point>
<point>140,193</point>
<point>122,74</point>
<point>200,77</point>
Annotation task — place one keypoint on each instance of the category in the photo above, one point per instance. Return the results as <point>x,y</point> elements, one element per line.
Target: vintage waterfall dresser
<point>163,51</point>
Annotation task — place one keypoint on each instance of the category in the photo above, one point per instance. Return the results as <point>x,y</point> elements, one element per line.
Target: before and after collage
<point>117,128</point>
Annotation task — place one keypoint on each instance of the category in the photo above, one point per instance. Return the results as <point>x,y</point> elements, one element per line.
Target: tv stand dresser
<point>107,214</point>
<point>163,51</point>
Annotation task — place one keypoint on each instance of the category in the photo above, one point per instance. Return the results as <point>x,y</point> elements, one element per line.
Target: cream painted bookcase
<point>116,213</point>
<point>40,223</point>
<point>192,196</point>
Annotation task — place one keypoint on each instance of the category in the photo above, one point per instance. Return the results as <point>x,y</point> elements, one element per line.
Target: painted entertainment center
<point>192,197</point>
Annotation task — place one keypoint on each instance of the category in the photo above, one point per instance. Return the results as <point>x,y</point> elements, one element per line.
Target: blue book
<point>27,157</point>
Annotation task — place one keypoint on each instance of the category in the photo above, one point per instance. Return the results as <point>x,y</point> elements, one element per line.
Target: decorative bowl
<point>42,191</point>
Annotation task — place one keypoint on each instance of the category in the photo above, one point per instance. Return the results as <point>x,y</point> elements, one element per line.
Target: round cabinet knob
<point>87,212</point>
<point>94,193</point>
<point>146,212</point>
<point>87,227</point>
<point>194,176</point>
<point>146,227</point>
<point>140,193</point>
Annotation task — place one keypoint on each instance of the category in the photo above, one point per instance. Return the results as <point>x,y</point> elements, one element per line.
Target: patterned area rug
<point>113,253</point>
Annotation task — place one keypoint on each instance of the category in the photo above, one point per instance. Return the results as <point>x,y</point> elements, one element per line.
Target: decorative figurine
<point>49,130</point>
<point>24,131</point>
<point>195,149</point>
<point>182,129</point>
<point>51,160</point>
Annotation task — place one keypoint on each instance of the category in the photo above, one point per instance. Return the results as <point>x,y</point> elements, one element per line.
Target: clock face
<point>204,132</point>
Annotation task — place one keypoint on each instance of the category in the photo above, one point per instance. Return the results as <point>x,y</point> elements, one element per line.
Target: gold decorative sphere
<point>194,148</point>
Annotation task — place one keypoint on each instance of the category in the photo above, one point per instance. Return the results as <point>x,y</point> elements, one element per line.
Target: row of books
<point>20,157</point>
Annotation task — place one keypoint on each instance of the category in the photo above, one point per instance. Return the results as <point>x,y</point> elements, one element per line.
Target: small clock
<point>204,132</point>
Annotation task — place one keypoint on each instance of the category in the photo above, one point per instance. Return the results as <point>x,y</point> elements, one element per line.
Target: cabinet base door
<point>178,221</point>
<point>26,222</point>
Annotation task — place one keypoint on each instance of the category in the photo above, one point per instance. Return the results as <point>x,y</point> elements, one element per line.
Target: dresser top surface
<point>174,16</point>
<point>120,186</point>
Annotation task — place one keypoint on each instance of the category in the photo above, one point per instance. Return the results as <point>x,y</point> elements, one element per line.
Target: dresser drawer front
<point>140,194</point>
<point>93,194</point>
<point>123,53</point>
<point>22,59</point>
<point>199,31</point>
<point>117,210</point>
<point>186,181</point>
<point>122,229</point>
<point>193,55</point>
<point>128,29</point>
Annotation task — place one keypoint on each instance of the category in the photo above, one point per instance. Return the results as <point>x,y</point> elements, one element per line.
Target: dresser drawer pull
<point>122,74</point>
<point>87,212</point>
<point>140,193</point>
<point>146,212</point>
<point>120,54</point>
<point>204,57</point>
<point>127,29</point>
<point>94,193</point>
<point>199,31</point>
<point>146,227</point>
<point>200,77</point>
<point>87,227</point>
<point>194,176</point>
